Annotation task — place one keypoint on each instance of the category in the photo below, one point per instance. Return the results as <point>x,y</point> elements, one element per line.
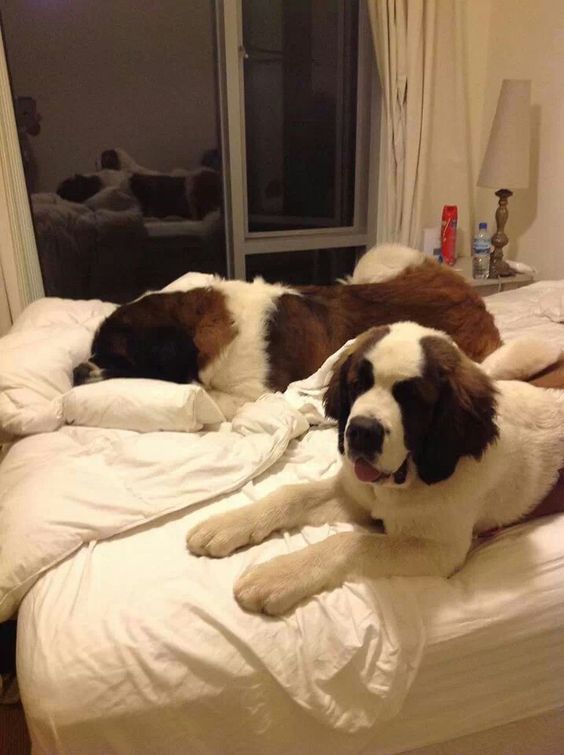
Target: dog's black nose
<point>365,436</point>
<point>81,373</point>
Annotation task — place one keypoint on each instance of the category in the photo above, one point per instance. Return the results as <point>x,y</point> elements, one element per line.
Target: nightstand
<point>489,286</point>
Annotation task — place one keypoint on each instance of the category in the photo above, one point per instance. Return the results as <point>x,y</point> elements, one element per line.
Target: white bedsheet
<point>132,645</point>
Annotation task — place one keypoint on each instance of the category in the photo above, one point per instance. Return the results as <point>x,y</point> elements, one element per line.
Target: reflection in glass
<point>116,111</point>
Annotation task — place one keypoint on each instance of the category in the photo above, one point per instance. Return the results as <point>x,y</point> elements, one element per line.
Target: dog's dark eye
<point>415,390</point>
<point>364,379</point>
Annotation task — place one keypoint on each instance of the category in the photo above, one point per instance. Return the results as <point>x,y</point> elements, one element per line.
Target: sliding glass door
<point>299,101</point>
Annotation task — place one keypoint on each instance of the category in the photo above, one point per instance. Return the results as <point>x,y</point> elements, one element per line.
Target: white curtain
<point>5,313</point>
<point>20,274</point>
<point>425,156</point>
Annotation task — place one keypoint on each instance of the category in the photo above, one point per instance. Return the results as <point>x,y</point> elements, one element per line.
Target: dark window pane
<point>300,112</point>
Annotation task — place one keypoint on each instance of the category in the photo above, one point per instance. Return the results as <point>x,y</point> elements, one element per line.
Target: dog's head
<point>141,340</point>
<point>109,160</point>
<point>163,336</point>
<point>406,392</point>
<point>79,188</point>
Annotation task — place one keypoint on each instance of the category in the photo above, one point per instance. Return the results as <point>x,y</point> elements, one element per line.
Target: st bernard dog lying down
<point>432,449</point>
<point>241,339</point>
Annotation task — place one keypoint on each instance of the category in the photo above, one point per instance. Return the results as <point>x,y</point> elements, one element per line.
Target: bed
<point>129,644</point>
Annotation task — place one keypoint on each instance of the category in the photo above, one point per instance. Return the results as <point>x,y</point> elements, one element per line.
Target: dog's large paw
<point>273,587</point>
<point>222,534</point>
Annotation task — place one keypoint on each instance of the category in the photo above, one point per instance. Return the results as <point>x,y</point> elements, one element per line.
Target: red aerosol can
<point>448,233</point>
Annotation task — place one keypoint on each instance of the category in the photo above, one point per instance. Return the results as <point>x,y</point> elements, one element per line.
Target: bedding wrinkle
<point>308,668</point>
<point>85,576</point>
<point>143,478</point>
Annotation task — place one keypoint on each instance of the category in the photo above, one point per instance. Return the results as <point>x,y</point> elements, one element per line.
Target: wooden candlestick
<point>498,266</point>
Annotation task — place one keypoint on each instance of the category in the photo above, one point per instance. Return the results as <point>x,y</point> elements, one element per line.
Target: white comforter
<point>164,629</point>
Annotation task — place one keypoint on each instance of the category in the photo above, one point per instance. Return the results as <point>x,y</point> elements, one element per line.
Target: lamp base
<point>498,266</point>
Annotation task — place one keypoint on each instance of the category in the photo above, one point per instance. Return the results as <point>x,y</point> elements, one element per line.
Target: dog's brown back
<point>305,330</point>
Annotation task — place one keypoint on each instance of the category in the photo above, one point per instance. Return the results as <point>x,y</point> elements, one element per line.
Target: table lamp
<point>506,161</point>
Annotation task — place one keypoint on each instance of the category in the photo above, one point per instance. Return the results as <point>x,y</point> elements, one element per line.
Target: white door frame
<point>18,251</point>
<point>231,72</point>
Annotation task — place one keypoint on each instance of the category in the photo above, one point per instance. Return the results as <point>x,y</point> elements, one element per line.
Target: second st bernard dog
<point>240,340</point>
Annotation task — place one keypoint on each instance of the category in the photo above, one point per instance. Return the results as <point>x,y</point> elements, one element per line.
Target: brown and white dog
<point>432,449</point>
<point>241,339</point>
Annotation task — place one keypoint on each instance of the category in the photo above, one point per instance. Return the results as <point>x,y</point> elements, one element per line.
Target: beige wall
<point>523,39</point>
<point>476,23</point>
<point>135,75</point>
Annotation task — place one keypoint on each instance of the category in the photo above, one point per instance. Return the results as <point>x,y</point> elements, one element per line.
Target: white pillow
<point>551,305</point>
<point>141,405</point>
<point>36,362</point>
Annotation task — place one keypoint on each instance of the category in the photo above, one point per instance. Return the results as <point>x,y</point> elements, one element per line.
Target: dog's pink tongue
<point>365,471</point>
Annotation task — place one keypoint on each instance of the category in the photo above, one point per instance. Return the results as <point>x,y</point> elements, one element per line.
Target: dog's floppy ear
<point>337,401</point>
<point>165,352</point>
<point>112,338</point>
<point>463,422</point>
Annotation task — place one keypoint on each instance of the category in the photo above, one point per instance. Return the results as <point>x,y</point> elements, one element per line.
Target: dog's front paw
<point>222,534</point>
<point>273,587</point>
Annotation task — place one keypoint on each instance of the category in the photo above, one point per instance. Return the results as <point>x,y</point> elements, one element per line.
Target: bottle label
<point>481,246</point>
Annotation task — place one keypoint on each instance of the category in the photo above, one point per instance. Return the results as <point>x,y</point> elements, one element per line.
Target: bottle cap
<point>483,225</point>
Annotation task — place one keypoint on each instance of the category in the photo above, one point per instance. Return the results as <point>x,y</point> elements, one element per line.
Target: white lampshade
<point>506,162</point>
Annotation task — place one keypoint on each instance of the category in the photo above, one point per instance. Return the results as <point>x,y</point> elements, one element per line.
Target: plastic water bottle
<point>481,247</point>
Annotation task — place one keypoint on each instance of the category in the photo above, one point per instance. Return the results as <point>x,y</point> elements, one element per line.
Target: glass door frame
<point>242,242</point>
